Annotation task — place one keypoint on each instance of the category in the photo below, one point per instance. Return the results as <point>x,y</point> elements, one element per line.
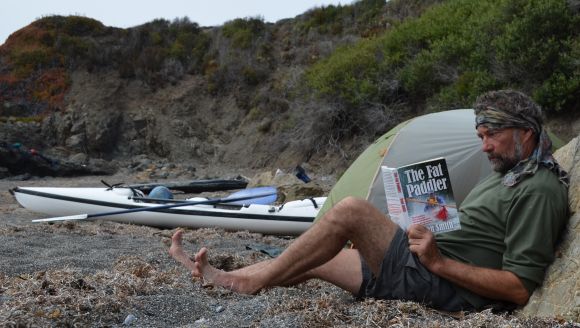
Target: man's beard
<point>504,163</point>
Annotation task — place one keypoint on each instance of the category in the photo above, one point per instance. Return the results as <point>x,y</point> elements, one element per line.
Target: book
<point>421,193</point>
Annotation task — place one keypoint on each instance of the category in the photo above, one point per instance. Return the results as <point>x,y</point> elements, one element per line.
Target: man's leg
<point>317,253</point>
<point>344,270</point>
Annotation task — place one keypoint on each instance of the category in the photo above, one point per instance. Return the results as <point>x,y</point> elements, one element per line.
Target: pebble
<point>219,309</point>
<point>200,320</point>
<point>129,320</point>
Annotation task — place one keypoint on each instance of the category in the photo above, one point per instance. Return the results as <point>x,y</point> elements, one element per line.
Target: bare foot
<point>176,251</point>
<point>241,281</point>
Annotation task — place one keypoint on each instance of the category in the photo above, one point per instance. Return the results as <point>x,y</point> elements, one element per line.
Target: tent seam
<point>370,187</point>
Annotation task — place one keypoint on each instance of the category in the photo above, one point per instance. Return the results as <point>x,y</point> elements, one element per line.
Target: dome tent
<point>449,134</point>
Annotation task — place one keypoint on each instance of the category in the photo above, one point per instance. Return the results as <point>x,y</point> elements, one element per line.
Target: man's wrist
<point>438,266</point>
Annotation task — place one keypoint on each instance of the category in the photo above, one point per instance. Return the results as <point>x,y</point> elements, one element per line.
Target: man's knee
<point>348,211</point>
<point>353,204</point>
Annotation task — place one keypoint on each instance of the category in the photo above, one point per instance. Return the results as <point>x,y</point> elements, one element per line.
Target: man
<point>510,224</point>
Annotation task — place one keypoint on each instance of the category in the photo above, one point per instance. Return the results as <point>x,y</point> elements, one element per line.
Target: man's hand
<point>422,243</point>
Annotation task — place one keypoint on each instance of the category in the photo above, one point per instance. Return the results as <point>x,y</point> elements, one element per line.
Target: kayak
<point>291,218</point>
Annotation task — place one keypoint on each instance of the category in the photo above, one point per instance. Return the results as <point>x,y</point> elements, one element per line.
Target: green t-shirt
<point>509,228</point>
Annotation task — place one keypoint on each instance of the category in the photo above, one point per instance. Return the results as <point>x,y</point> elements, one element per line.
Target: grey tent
<point>450,134</point>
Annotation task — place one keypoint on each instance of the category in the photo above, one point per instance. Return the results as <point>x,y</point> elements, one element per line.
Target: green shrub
<point>326,20</point>
<point>178,46</point>
<point>22,119</point>
<point>184,41</point>
<point>463,92</point>
<point>349,74</point>
<point>26,62</point>
<point>362,17</point>
<point>251,76</point>
<point>455,51</point>
<point>82,26</point>
<point>559,92</point>
<point>254,114</point>
<point>156,38</point>
<point>533,36</point>
<point>71,25</point>
<point>265,126</point>
<point>72,47</point>
<point>242,31</point>
<point>177,50</point>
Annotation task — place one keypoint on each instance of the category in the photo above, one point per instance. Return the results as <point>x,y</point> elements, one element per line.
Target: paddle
<point>155,208</point>
<point>255,193</point>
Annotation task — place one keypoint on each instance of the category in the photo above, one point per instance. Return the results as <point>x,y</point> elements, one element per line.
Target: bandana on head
<point>494,118</point>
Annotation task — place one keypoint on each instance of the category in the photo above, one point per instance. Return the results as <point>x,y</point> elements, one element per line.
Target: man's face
<point>503,147</point>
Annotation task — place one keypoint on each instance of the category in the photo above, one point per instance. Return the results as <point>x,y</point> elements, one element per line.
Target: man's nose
<point>486,147</point>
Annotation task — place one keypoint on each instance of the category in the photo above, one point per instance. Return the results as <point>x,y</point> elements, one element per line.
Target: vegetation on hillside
<point>240,55</point>
<point>161,51</point>
<point>454,52</point>
<point>366,18</point>
<point>38,59</point>
<point>243,31</point>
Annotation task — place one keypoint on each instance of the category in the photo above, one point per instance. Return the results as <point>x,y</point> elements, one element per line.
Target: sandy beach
<point>105,274</point>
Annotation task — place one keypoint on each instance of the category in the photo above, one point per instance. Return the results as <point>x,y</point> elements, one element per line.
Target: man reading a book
<point>510,224</point>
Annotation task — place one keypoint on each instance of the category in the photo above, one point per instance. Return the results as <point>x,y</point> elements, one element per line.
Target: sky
<point>16,14</point>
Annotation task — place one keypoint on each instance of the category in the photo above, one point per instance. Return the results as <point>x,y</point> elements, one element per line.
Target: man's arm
<point>490,283</point>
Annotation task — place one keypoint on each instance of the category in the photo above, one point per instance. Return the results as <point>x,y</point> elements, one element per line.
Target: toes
<point>177,236</point>
<point>201,256</point>
<point>196,272</point>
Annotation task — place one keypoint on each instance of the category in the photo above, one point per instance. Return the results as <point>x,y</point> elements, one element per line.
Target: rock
<point>102,131</point>
<point>141,164</point>
<point>289,186</point>
<point>279,178</point>
<point>129,320</point>
<point>76,142</point>
<point>200,321</point>
<point>559,295</point>
<point>301,191</point>
<point>4,173</point>
<point>78,128</point>
<point>101,166</point>
<point>79,158</point>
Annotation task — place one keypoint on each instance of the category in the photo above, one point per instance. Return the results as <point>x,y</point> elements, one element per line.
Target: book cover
<point>421,193</point>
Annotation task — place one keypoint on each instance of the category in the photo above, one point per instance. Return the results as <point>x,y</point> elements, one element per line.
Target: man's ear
<point>528,135</point>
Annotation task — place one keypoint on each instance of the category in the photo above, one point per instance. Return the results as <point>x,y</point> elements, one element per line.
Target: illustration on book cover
<point>421,193</point>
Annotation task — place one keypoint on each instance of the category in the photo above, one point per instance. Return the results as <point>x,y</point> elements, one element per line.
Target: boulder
<point>289,186</point>
<point>559,296</point>
<point>79,158</point>
<point>268,178</point>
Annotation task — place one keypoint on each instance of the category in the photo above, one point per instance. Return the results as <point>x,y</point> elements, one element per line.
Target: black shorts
<point>403,277</point>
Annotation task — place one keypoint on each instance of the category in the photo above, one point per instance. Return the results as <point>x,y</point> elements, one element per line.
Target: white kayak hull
<point>292,218</point>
